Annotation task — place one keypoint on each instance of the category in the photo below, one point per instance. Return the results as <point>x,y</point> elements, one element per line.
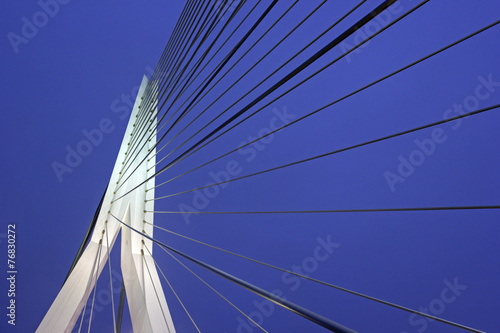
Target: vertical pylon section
<point>146,300</point>
<point>147,304</point>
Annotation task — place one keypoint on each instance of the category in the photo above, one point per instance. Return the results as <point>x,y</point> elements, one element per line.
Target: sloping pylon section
<point>146,300</point>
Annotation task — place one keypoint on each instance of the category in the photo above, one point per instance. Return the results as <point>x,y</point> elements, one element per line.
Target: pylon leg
<point>146,300</point>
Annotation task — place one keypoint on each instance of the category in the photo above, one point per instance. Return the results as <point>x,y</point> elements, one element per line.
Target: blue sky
<point>83,63</point>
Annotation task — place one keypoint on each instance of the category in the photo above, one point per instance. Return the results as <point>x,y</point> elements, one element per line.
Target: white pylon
<point>148,307</point>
